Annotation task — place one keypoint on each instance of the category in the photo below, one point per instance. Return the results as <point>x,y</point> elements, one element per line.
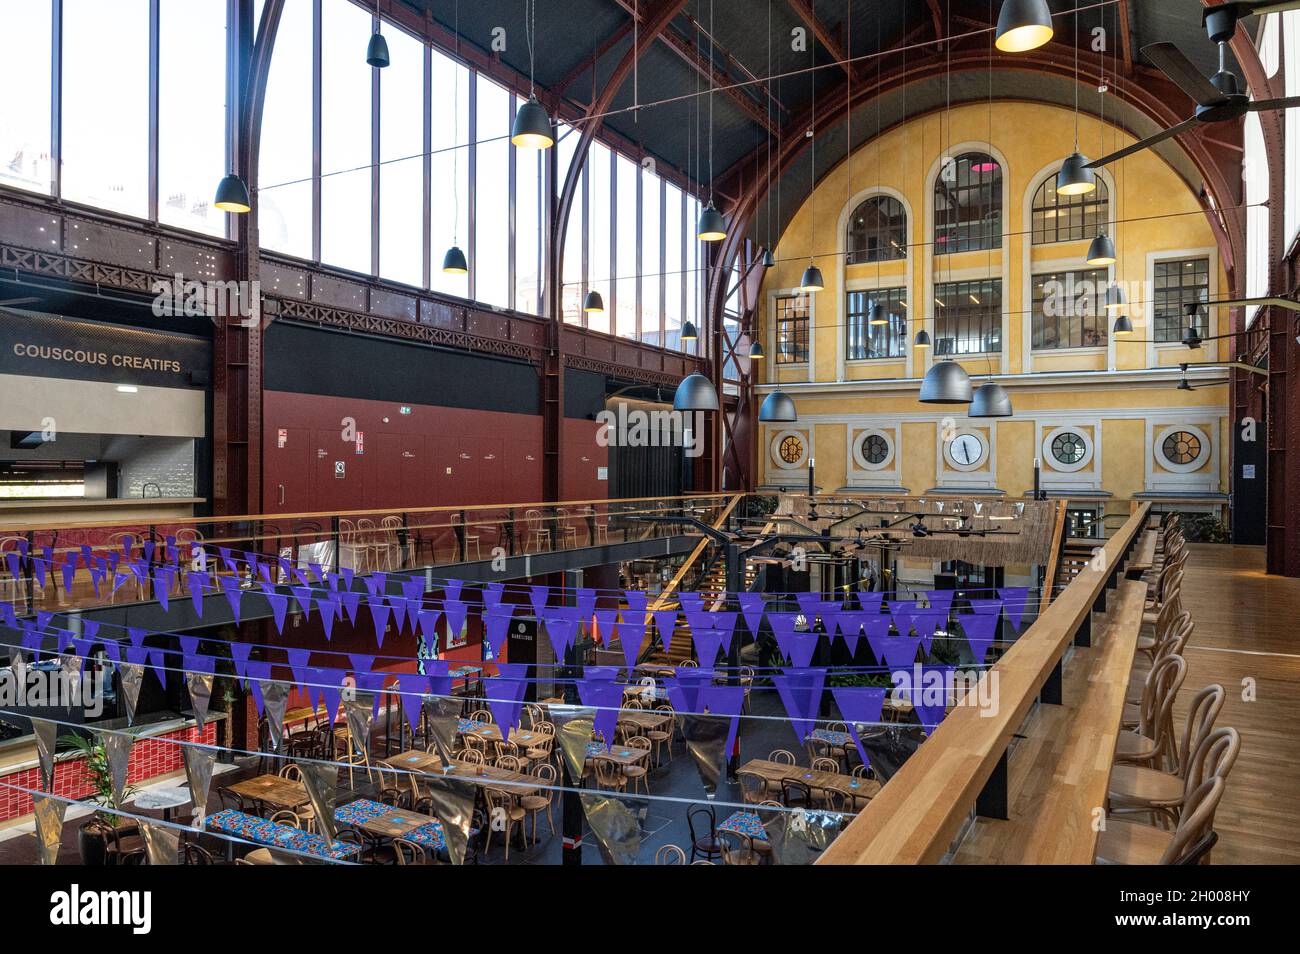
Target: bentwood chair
<point>541,800</point>
<point>662,737</point>
<point>638,774</point>
<point>737,848</point>
<point>609,774</point>
<point>704,840</point>
<point>1152,744</point>
<point>539,535</point>
<point>1131,843</point>
<point>1162,796</point>
<point>504,812</point>
<point>568,533</point>
<point>670,855</point>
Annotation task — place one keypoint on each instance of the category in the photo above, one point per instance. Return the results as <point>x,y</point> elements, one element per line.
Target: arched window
<point>877,231</point>
<point>968,204</point>
<point>1069,218</point>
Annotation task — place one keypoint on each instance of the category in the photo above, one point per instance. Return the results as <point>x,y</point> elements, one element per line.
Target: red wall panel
<point>584,459</point>
<point>433,456</point>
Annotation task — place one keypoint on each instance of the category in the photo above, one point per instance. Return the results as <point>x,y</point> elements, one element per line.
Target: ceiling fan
<point>1218,98</point>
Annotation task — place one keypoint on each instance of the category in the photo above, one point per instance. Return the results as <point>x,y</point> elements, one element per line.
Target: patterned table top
<point>745,823</point>
<point>389,820</point>
<point>264,832</point>
<point>831,738</point>
<point>492,732</point>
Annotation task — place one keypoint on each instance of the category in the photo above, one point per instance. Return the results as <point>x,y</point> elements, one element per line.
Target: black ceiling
<point>569,32</point>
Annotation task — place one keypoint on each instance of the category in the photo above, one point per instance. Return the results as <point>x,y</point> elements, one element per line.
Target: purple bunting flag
<point>195,582</point>
<point>505,695</point>
<point>602,693</point>
<point>980,631</point>
<point>684,688</point>
<point>279,604</point>
<point>351,600</point>
<point>860,705</point>
<point>456,611</point>
<point>379,611</point>
<point>801,693</point>
<point>539,596</point>
<point>798,646</point>
<point>751,606</point>
<point>726,701</point>
<point>233,594</point>
<point>1016,598</point>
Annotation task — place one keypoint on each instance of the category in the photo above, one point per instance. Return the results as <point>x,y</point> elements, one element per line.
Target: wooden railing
<point>962,766</point>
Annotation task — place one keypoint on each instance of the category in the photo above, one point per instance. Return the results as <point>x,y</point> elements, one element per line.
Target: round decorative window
<point>790,449</point>
<point>1181,447</point>
<point>873,449</point>
<point>1068,449</point>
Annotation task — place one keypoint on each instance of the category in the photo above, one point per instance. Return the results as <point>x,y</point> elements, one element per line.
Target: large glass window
<point>695,273</point>
<point>105,98</point>
<point>877,231</point>
<point>401,166</point>
<point>674,283</point>
<point>191,112</point>
<point>1069,218</point>
<point>625,248</point>
<point>449,198</point>
<point>651,265</point>
<point>792,313</point>
<point>598,233</point>
<point>1069,309</point>
<point>284,171</point>
<point>968,204</point>
<point>490,266</point>
<point>345,212</point>
<point>968,317</point>
<point>528,224</point>
<point>877,323</point>
<point>25,53</point>
<point>1178,283</point>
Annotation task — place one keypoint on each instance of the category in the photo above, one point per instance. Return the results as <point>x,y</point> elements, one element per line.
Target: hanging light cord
<point>1076,80</point>
<point>455,156</point>
<point>530,33</point>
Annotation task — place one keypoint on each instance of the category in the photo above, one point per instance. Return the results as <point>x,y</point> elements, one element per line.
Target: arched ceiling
<point>579,43</point>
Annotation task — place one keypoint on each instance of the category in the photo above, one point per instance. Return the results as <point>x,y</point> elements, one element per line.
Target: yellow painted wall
<point>1121,414</point>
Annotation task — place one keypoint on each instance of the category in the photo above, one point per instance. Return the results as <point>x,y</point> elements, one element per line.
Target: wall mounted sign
<point>361,442</point>
<point>281,438</point>
<point>39,345</point>
<point>340,469</point>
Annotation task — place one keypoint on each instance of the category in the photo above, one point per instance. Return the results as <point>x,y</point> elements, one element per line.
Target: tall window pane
<point>968,319</point>
<point>25,119</point>
<point>449,212</point>
<point>1069,309</point>
<point>284,213</point>
<point>673,278</point>
<point>1069,218</point>
<point>401,170</point>
<point>528,223</point>
<point>876,323</point>
<point>877,231</point>
<point>598,226</point>
<point>491,263</point>
<point>345,136</point>
<point>1178,283</point>
<point>105,104</point>
<point>792,312</point>
<point>571,295</point>
<point>968,204</point>
<point>694,272</point>
<point>651,267</point>
<point>625,250</point>
<point>191,113</point>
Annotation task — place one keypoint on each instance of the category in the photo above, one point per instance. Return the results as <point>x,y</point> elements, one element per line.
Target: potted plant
<point>94,835</point>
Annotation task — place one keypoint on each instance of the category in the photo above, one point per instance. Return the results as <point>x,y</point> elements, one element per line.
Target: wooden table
<point>388,821</point>
<point>645,719</point>
<point>1144,555</point>
<point>429,763</point>
<point>622,754</point>
<point>492,733</point>
<point>848,785</point>
<point>272,790</point>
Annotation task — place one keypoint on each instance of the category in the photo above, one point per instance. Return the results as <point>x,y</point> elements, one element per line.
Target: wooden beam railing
<point>962,766</point>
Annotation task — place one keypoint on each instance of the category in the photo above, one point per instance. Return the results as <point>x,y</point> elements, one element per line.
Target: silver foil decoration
<point>322,784</point>
<point>617,824</point>
<point>453,805</point>
<point>46,733</point>
<point>132,678</point>
<point>71,666</point>
<point>117,748</point>
<point>200,687</point>
<point>198,773</point>
<point>18,663</point>
<point>800,836</point>
<point>275,696</point>
<point>706,740</point>
<point>888,747</point>
<point>360,714</point>
<point>49,827</point>
<point>442,715</point>
<point>574,726</point>
<point>161,842</point>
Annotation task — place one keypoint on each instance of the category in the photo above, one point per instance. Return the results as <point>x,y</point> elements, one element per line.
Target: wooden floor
<point>1247,638</point>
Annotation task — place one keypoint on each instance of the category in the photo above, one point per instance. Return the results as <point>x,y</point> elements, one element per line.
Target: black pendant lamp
<point>812,280</point>
<point>712,226</point>
<point>1101,251</point>
<point>1123,327</point>
<point>990,400</point>
<point>876,315</point>
<point>1191,337</point>
<point>1116,299</point>
<point>778,408</point>
<point>688,331</point>
<point>946,383</point>
<point>769,260</point>
<point>756,352</point>
<point>377,51</point>
<point>593,302</point>
<point>1023,25</point>
<point>695,393</point>
<point>1074,177</point>
<point>454,262</point>
<point>922,339</point>
<point>532,128</point>
<point>232,195</point>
